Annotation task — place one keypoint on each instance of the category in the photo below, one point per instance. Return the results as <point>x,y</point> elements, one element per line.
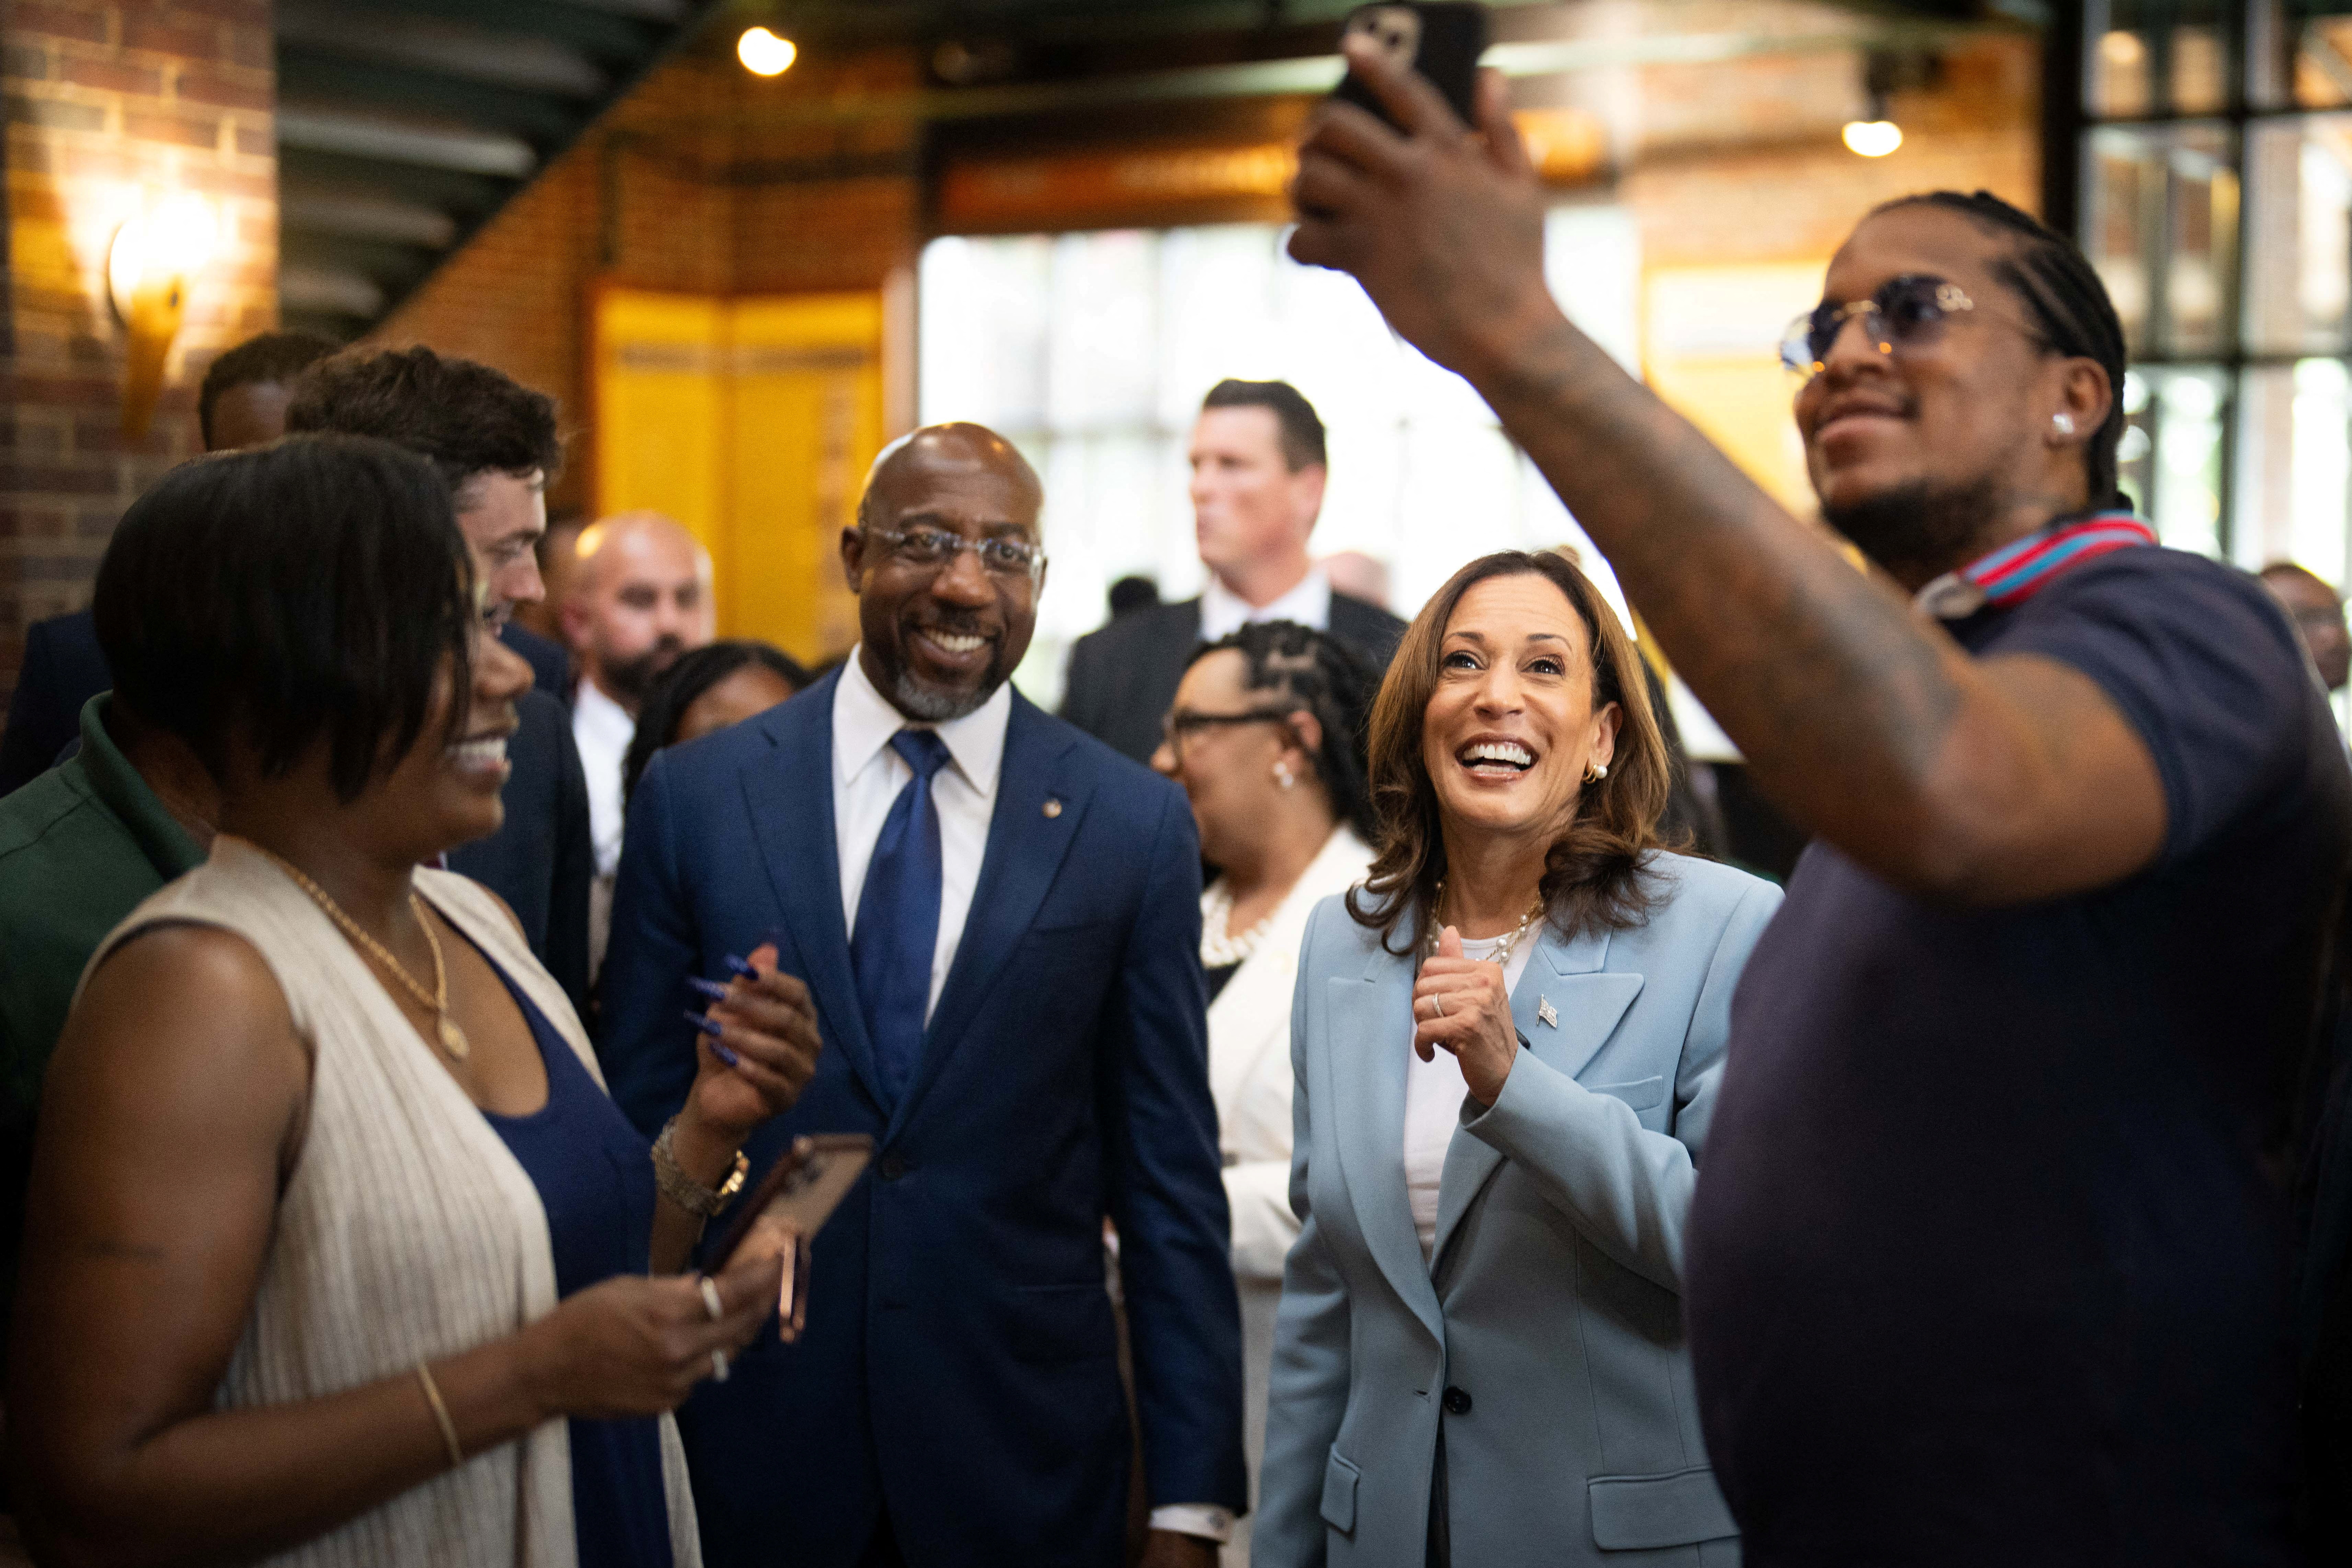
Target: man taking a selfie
<point>1986,1261</point>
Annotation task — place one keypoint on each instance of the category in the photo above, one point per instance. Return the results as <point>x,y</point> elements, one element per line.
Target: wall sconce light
<point>147,271</point>
<point>1875,137</point>
<point>764,53</point>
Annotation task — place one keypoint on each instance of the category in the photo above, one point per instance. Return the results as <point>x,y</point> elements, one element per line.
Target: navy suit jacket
<point>542,860</point>
<point>64,668</point>
<point>960,1364</point>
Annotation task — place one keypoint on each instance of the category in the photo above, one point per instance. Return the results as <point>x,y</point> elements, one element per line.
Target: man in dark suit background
<point>240,402</point>
<point>1258,470</point>
<point>999,919</point>
<point>494,441</point>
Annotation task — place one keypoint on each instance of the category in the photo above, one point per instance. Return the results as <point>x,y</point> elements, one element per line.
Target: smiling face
<point>449,788</point>
<point>1915,453</point>
<point>1511,726</point>
<point>502,516</point>
<point>1228,769</point>
<point>937,640</point>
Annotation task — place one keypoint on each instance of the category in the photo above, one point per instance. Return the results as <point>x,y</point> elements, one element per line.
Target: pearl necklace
<point>1503,949</point>
<point>1219,949</point>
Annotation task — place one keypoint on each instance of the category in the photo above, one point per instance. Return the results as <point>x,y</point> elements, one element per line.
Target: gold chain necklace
<point>435,1001</point>
<point>1504,949</point>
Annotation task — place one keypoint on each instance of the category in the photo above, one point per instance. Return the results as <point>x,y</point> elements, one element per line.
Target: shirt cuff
<point>1205,1520</point>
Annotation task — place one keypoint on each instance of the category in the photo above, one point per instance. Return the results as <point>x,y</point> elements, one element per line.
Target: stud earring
<point>1284,776</point>
<point>2063,423</point>
<point>1595,772</point>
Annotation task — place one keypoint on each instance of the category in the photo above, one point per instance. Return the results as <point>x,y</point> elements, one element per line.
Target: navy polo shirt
<point>1988,1258</point>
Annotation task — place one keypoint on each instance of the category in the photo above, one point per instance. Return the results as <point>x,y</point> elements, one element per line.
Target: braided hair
<point>1312,673</point>
<point>683,684</point>
<point>2069,304</point>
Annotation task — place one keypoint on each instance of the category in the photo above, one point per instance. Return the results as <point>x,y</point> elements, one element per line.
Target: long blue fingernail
<point>702,1021</point>
<point>741,968</point>
<point>711,988</point>
<point>709,1030</point>
<point>724,1055</point>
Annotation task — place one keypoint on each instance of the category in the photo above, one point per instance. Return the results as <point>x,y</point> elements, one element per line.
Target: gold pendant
<point>453,1039</point>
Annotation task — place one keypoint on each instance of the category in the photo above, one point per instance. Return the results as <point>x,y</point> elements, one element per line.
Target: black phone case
<point>1452,37</point>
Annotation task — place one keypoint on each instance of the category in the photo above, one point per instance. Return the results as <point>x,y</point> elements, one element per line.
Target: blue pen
<point>712,1031</point>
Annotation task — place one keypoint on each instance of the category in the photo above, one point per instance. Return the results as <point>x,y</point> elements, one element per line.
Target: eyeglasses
<point>1182,724</point>
<point>1906,313</point>
<point>931,549</point>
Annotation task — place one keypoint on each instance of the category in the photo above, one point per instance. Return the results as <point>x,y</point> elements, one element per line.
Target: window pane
<point>2294,467</point>
<point>2161,57</point>
<point>2170,456</point>
<point>2162,224</point>
<point>2299,271</point>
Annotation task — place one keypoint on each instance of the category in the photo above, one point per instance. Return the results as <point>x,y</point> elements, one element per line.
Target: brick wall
<point>111,105</point>
<point>646,200</point>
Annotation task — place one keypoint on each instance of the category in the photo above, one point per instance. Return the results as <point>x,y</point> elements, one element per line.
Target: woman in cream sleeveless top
<point>322,1139</point>
<point>1266,736</point>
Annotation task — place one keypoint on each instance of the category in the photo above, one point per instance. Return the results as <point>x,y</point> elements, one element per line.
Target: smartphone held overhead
<point>1442,39</point>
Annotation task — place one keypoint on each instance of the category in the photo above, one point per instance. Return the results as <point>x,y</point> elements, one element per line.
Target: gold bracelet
<point>684,1190</point>
<point>441,1416</point>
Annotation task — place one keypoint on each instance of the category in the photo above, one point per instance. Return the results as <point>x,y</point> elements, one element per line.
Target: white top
<point>868,773</point>
<point>602,728</point>
<point>1433,1092</point>
<point>1224,612</point>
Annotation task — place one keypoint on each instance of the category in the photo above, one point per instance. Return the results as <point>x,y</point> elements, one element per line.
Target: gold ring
<point>710,1302</point>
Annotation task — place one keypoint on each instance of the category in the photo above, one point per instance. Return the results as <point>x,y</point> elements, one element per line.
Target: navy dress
<point>596,1181</point>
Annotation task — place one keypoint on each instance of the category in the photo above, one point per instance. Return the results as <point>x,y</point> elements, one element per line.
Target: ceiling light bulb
<point>1873,138</point>
<point>764,53</point>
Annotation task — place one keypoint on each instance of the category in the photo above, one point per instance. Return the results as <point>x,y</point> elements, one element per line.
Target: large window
<point>2217,202</point>
<point>1091,353</point>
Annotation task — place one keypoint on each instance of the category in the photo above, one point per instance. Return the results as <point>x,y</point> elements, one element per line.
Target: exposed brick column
<point>111,106</point>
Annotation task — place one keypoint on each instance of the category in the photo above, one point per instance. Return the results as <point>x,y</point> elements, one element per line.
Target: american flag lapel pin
<point>1544,1012</point>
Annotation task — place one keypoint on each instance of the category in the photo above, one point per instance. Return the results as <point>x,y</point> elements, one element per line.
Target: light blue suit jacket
<point>1553,1305</point>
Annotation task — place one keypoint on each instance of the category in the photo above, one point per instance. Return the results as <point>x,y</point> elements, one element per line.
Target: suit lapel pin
<point>1053,806</point>
<point>1544,1010</point>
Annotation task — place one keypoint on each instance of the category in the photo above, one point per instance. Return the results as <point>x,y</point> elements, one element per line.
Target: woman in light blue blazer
<point>1507,1047</point>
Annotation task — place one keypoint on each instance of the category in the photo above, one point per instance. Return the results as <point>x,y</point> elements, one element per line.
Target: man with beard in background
<point>1000,921</point>
<point>641,597</point>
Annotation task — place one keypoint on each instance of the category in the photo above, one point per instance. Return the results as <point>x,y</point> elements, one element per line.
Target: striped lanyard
<point>2018,570</point>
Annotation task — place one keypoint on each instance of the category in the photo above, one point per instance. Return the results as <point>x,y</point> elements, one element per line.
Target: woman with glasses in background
<point>1266,736</point>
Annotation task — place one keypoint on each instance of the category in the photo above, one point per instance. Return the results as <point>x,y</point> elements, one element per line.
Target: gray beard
<point>916,700</point>
<point>1918,532</point>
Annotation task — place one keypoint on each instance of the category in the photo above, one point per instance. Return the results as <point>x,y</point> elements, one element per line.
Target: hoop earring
<point>1595,772</point>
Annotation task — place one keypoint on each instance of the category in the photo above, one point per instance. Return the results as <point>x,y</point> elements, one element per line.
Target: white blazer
<point>1249,1064</point>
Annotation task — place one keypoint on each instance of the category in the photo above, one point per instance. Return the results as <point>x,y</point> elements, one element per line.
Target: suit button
<point>1457,1401</point>
<point>894,1165</point>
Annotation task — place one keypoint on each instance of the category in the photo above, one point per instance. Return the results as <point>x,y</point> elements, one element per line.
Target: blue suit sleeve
<point>1307,1389</point>
<point>572,875</point>
<point>1167,1193</point>
<point>646,1047</point>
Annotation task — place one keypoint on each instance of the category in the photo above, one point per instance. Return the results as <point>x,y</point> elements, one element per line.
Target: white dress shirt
<point>1224,612</point>
<point>1433,1092</point>
<point>602,728</point>
<point>867,775</point>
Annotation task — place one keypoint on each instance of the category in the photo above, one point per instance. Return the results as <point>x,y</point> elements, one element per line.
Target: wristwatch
<point>684,1190</point>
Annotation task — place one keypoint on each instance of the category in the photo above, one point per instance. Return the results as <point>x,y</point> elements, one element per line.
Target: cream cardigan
<point>406,1231</point>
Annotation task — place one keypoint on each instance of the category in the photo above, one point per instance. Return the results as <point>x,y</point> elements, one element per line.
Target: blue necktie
<point>899,916</point>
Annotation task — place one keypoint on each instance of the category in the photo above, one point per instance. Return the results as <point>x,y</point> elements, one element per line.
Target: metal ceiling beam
<point>356,216</point>
<point>324,129</point>
<point>401,92</point>
<point>1312,74</point>
<point>516,60</point>
<point>328,291</point>
<point>601,33</point>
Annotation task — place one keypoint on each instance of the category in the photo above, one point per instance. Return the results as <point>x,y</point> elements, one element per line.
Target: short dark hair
<point>1313,672</point>
<point>680,686</point>
<point>2069,305</point>
<point>2296,569</point>
<point>468,418</point>
<point>1302,429</point>
<point>317,586</point>
<point>277,357</point>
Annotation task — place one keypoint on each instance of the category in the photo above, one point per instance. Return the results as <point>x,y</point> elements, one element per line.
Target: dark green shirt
<point>80,846</point>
